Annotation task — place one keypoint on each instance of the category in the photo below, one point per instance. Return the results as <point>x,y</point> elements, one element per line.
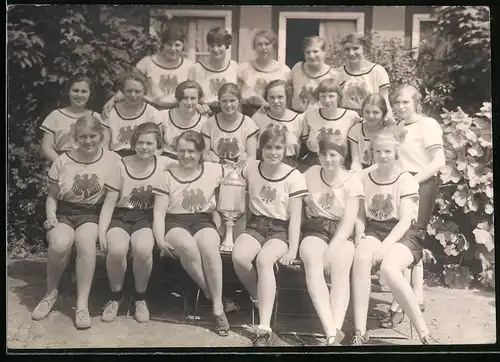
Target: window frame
<point>191,53</point>
<point>417,19</point>
<point>359,17</point>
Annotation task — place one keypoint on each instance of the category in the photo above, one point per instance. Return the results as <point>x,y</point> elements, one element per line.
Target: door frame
<point>285,15</point>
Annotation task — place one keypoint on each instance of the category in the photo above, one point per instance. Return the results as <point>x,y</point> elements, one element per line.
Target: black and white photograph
<point>213,176</point>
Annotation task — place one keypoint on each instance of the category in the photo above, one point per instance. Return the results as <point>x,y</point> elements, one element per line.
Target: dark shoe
<point>221,325</point>
<point>428,339</point>
<point>262,338</point>
<point>358,339</point>
<point>392,319</point>
<point>230,306</point>
<point>335,341</point>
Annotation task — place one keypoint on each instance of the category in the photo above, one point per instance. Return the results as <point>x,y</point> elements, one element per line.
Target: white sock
<point>265,328</point>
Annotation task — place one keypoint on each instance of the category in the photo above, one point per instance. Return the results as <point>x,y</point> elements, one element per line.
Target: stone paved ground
<point>454,317</point>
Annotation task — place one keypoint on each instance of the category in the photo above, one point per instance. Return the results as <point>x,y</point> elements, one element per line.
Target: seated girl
<point>275,200</point>
<point>76,193</point>
<point>386,234</point>
<point>327,246</point>
<point>187,197</point>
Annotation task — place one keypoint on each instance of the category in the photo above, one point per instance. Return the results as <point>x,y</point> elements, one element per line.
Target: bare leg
<point>142,252</point>
<point>312,253</point>
<point>363,261</point>
<point>341,263</point>
<point>60,241</point>
<point>116,257</point>
<point>269,254</point>
<point>398,258</point>
<point>85,241</point>
<point>186,248</point>
<point>245,250</point>
<point>208,241</point>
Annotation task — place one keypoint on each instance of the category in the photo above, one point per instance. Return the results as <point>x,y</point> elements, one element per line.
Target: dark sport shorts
<point>75,215</point>
<point>413,239</point>
<point>264,228</point>
<point>190,222</point>
<point>427,195</point>
<point>319,227</point>
<point>131,220</point>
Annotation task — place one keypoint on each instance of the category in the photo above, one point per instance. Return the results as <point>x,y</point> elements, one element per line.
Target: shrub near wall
<point>48,45</point>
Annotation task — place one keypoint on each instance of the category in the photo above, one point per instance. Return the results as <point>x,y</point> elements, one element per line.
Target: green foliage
<point>464,221</point>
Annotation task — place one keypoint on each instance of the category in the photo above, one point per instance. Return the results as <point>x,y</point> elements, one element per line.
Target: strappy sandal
<point>392,319</point>
<point>221,325</point>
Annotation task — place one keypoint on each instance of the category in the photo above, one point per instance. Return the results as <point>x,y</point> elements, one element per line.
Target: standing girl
<point>130,112</point>
<point>327,119</point>
<point>422,154</point>
<point>327,246</point>
<point>275,94</point>
<point>217,70</point>
<point>59,126</point>
<point>126,218</point>
<point>306,76</point>
<point>76,193</point>
<point>272,234</point>
<point>255,74</point>
<point>184,117</point>
<point>359,77</point>
<point>230,135</point>
<point>164,71</point>
<point>374,112</point>
<point>187,196</point>
<point>386,234</point>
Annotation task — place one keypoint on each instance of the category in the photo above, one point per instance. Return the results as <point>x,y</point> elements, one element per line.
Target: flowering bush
<point>464,221</point>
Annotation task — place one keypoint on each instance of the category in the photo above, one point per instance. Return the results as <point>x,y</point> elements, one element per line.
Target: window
<point>294,26</point>
<point>423,33</point>
<point>195,24</point>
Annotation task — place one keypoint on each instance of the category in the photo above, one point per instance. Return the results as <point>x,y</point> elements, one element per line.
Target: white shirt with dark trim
<point>124,126</point>
<point>79,182</point>
<point>421,136</point>
<point>194,196</point>
<point>211,80</point>
<point>229,143</point>
<point>317,125</point>
<point>255,80</point>
<point>62,126</point>
<point>383,199</point>
<point>304,86</point>
<point>357,86</point>
<point>136,191</point>
<point>292,121</point>
<point>329,201</point>
<point>164,80</point>
<point>173,129</point>
<point>357,136</point>
<point>271,197</point>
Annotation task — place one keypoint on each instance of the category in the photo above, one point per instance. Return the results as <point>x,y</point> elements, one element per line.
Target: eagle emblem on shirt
<point>215,84</point>
<point>228,148</point>
<point>168,83</point>
<point>381,206</point>
<point>125,134</point>
<point>142,197</point>
<point>260,85</point>
<point>324,131</point>
<point>354,92</point>
<point>267,194</point>
<point>85,185</point>
<point>326,201</point>
<point>306,95</point>
<point>193,200</point>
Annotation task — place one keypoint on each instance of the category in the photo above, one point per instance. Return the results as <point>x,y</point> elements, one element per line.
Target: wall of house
<point>389,21</point>
<point>252,18</point>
